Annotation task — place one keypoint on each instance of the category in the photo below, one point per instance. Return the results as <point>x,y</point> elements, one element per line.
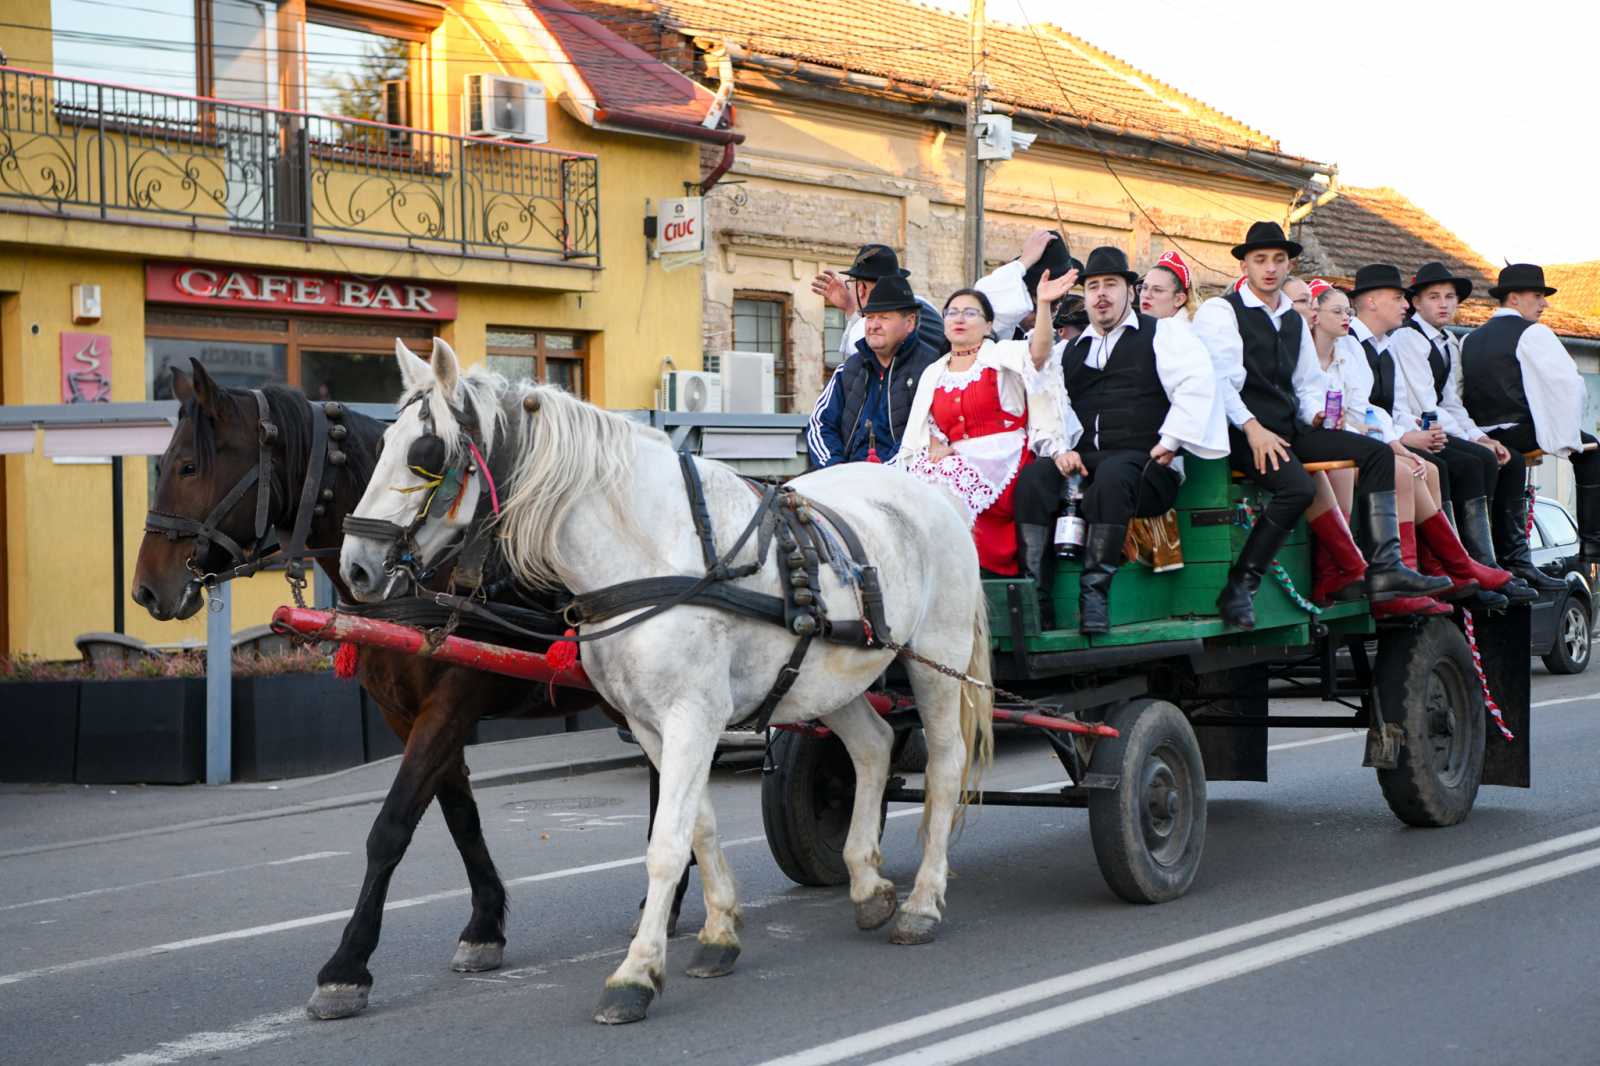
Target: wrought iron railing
<point>88,149</point>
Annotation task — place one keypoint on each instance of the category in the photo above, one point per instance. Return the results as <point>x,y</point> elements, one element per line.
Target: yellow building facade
<point>256,222</point>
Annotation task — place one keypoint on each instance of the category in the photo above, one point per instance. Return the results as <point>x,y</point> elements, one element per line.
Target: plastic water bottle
<point>1374,428</point>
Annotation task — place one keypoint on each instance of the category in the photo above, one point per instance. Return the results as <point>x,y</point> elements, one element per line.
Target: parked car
<point>1563,622</point>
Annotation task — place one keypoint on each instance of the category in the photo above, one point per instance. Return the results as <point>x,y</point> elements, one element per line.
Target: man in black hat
<point>1521,386</point>
<point>1143,389</point>
<point>862,412</point>
<point>1262,351</point>
<point>873,263</point>
<point>1379,299</point>
<point>1477,466</point>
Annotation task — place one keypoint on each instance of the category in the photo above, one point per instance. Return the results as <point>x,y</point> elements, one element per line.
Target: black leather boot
<point>1236,601</point>
<point>1032,540</point>
<point>1511,545</point>
<point>1102,554</point>
<point>1387,574</point>
<point>1589,521</point>
<point>1477,536</point>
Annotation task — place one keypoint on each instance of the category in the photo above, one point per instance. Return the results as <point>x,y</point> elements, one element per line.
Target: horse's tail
<point>977,705</point>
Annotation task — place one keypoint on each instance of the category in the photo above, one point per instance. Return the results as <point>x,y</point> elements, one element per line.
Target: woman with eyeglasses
<point>980,414</point>
<point>1164,291</point>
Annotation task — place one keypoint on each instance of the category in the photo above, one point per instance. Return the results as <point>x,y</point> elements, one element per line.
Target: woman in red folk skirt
<point>980,414</point>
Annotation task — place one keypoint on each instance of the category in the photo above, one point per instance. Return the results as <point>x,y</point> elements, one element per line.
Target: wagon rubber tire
<point>1149,832</point>
<point>1426,684</point>
<point>806,802</point>
<point>911,754</point>
<point>1570,653</point>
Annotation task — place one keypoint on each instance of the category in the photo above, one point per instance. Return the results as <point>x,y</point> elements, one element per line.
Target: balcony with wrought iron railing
<point>83,149</point>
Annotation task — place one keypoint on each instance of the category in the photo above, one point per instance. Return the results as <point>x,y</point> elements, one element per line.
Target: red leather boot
<point>1337,562</point>
<point>1412,604</point>
<point>1439,536</point>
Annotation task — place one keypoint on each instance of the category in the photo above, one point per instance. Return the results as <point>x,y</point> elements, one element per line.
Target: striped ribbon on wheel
<point>1483,681</point>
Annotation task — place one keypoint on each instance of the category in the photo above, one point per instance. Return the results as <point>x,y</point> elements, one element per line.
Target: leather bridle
<point>327,433</point>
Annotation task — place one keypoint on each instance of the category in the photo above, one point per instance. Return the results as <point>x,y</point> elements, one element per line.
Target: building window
<point>539,355</point>
<point>348,70</point>
<point>158,55</point>
<point>327,358</point>
<point>833,327</point>
<point>761,324</point>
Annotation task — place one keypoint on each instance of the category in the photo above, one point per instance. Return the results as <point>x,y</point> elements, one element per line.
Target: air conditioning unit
<point>497,106</point>
<point>397,111</point>
<point>691,390</point>
<point>749,383</point>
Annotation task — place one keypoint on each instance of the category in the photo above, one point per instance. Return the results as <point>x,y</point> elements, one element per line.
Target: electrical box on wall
<point>86,303</point>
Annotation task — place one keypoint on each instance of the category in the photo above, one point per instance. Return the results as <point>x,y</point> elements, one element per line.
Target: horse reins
<point>327,432</point>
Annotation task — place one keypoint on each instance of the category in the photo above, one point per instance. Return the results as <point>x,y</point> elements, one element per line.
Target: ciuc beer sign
<point>681,225</point>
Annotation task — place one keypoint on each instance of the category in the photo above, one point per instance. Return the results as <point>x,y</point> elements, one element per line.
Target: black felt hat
<point>891,294</point>
<point>1108,259</point>
<point>1435,274</point>
<point>1266,235</point>
<point>874,262</point>
<point>1521,277</point>
<point>1377,276</point>
<point>1057,259</point>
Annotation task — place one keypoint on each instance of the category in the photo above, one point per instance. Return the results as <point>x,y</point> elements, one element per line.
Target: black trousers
<point>1122,485</point>
<point>1513,476</point>
<point>1474,470</point>
<point>1292,488</point>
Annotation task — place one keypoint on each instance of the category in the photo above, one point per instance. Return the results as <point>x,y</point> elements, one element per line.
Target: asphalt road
<point>1320,930</point>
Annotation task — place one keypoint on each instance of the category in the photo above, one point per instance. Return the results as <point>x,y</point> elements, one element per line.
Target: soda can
<point>1429,419</point>
<point>1332,408</point>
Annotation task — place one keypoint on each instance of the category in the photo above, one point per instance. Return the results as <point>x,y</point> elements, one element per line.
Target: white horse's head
<point>432,471</point>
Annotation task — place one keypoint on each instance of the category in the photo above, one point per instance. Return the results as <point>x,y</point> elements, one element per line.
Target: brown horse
<point>432,707</point>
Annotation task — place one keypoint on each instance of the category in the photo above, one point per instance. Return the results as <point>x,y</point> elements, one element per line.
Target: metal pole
<point>219,686</point>
<point>972,244</point>
<point>118,592</point>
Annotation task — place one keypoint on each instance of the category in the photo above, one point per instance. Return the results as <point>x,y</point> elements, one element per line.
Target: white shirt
<point>1195,420</point>
<point>1008,295</point>
<point>1349,375</point>
<point>1398,419</point>
<point>1218,329</point>
<point>1553,386</point>
<point>1411,351</point>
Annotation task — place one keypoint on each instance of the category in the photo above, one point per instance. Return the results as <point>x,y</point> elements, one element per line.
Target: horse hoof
<point>713,960</point>
<point>621,1004</point>
<point>337,1001</point>
<point>877,908</point>
<point>913,929</point>
<point>476,958</point>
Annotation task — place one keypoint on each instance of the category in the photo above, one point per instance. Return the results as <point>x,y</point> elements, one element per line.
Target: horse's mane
<point>566,450</point>
<point>480,391</point>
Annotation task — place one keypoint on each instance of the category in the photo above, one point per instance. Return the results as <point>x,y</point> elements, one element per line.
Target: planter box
<point>293,725</point>
<point>39,720</point>
<point>142,731</point>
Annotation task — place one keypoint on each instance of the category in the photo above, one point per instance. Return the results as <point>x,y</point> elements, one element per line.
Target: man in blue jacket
<point>867,401</point>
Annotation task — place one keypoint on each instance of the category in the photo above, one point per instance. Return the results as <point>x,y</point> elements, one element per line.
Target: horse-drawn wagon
<point>1142,717</point>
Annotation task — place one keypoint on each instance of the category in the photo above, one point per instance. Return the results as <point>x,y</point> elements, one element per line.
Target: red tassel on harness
<point>872,446</point>
<point>345,660</point>
<point>563,653</point>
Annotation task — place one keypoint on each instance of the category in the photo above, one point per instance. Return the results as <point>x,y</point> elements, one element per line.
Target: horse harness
<point>428,459</point>
<point>783,517</point>
<point>327,433</point>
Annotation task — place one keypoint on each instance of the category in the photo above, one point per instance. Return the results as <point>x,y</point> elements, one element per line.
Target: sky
<point>1483,114</point>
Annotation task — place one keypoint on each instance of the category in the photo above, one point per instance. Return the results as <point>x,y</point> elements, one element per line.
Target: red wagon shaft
<point>532,666</point>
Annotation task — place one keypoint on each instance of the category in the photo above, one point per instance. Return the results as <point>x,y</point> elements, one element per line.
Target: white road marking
<point>1014,1031</point>
<point>293,859</point>
<point>1286,746</point>
<point>1565,699</point>
<point>255,1031</point>
<point>986,1006</point>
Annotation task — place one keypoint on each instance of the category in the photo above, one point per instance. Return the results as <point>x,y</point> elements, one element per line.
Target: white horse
<point>595,500</point>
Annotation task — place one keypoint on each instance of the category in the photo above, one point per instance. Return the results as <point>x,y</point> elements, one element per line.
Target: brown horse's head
<point>215,445</point>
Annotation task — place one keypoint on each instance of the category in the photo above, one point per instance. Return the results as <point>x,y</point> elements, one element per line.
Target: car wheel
<point>1570,652</point>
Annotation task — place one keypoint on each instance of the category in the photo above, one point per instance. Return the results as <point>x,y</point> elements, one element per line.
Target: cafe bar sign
<point>269,290</point>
